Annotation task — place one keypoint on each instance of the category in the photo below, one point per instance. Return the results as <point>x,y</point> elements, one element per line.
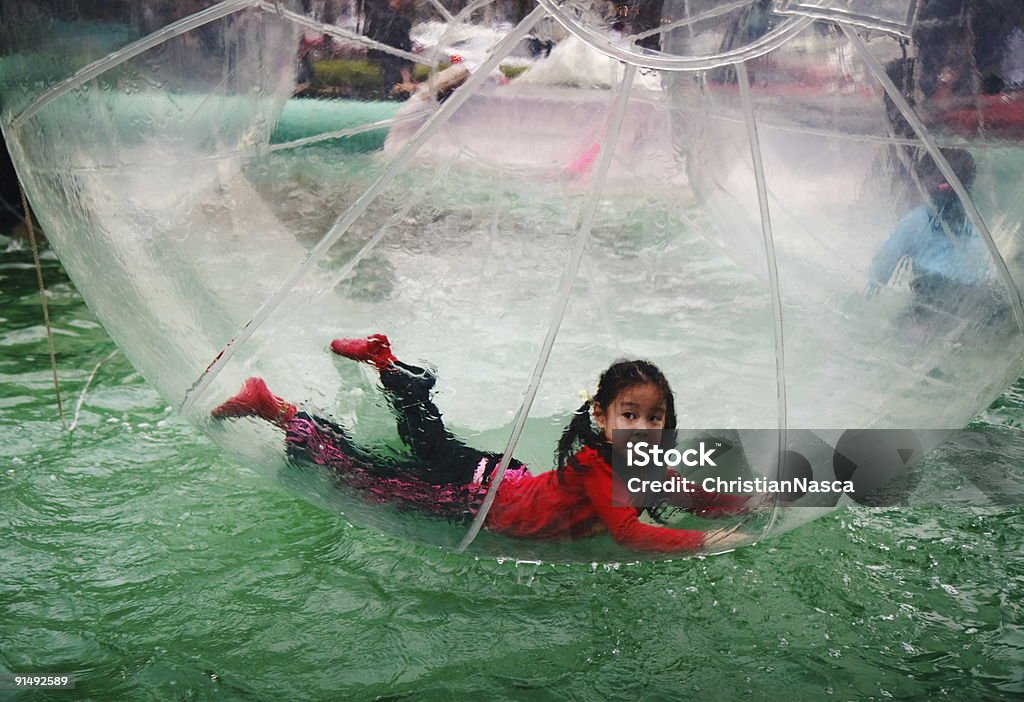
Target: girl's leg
<point>420,424</point>
<point>308,438</point>
<point>312,439</point>
<point>443,457</point>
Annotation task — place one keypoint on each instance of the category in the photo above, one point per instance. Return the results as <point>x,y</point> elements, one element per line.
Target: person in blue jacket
<point>951,268</point>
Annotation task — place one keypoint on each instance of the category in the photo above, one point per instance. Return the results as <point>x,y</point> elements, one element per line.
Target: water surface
<point>151,565</point>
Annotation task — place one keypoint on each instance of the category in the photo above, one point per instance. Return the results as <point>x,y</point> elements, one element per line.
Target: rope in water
<point>42,300</point>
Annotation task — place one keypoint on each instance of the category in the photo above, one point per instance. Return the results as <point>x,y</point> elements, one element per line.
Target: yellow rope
<point>42,299</point>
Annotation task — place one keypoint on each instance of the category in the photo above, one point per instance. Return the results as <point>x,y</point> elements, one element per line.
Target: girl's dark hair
<point>619,376</point>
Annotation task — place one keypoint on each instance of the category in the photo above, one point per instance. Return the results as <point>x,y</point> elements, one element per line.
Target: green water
<point>140,558</point>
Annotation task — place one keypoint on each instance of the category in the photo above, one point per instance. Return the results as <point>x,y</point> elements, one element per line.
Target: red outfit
<point>587,499</point>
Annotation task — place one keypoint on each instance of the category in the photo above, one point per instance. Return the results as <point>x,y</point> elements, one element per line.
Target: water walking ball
<point>806,213</point>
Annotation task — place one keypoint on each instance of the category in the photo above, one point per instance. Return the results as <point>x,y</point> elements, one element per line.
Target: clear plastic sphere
<point>807,217</point>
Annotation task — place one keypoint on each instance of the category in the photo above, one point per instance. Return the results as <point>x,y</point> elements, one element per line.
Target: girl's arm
<point>608,496</point>
<point>710,505</point>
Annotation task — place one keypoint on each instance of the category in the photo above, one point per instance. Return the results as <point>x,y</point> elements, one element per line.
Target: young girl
<point>581,498</point>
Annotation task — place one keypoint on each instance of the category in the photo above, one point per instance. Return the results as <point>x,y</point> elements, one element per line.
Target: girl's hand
<point>725,539</point>
<point>761,503</point>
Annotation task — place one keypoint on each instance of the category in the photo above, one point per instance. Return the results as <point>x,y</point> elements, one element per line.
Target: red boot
<point>375,349</point>
<point>256,400</point>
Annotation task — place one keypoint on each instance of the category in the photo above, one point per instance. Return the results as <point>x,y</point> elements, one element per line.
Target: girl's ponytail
<point>579,433</point>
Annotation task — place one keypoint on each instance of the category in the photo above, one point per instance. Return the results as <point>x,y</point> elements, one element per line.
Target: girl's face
<point>638,407</point>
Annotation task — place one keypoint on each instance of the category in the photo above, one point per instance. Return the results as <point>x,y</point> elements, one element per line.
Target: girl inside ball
<point>581,498</point>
